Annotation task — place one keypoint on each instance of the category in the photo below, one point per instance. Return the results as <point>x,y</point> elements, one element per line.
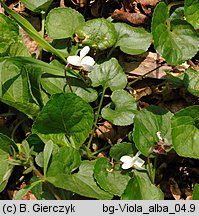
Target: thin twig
<point>143,76</point>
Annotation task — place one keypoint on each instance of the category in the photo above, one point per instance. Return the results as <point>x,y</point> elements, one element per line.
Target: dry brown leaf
<point>128,5</point>
<point>62,3</point>
<point>106,131</point>
<point>188,193</point>
<point>80,3</point>
<point>122,132</point>
<point>145,63</point>
<point>173,105</point>
<point>143,105</point>
<point>148,2</point>
<point>2,10</point>
<point>30,44</point>
<point>28,196</point>
<point>95,8</point>
<point>174,188</point>
<point>147,6</point>
<point>141,92</point>
<point>131,13</point>
<point>131,18</point>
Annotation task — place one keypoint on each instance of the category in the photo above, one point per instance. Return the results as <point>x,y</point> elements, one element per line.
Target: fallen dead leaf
<point>144,63</point>
<point>2,10</point>
<point>141,92</point>
<point>95,8</point>
<point>174,188</point>
<point>131,18</point>
<point>147,6</point>
<point>173,105</point>
<point>122,132</point>
<point>30,44</point>
<point>80,3</point>
<point>143,105</point>
<point>28,196</point>
<point>62,3</point>
<point>106,131</point>
<point>188,193</point>
<point>148,2</point>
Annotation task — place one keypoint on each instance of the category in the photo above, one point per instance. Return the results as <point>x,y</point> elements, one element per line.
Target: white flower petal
<point>126,159</point>
<point>87,60</point>
<point>74,60</point>
<point>126,166</point>
<point>138,163</point>
<point>87,63</point>
<point>84,52</point>
<point>127,162</point>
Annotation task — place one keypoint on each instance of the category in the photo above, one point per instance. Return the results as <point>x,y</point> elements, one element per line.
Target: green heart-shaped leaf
<point>65,114</point>
<point>81,183</point>
<point>178,13</point>
<point>98,33</point>
<point>124,108</point>
<point>141,188</point>
<point>18,49</point>
<point>37,5</point>
<point>146,125</point>
<point>109,179</point>
<point>108,74</point>
<point>32,32</point>
<point>185,132</point>
<point>191,81</point>
<point>65,160</point>
<point>132,40</point>
<point>54,85</point>
<point>47,154</point>
<point>20,86</point>
<point>6,168</point>
<point>195,195</point>
<point>118,150</point>
<point>9,32</point>
<point>177,41</point>
<point>62,22</point>
<point>191,10</point>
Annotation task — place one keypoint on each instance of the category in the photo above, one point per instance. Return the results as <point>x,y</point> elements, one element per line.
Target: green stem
<point>7,114</point>
<point>150,168</point>
<point>154,169</point>
<point>174,4</point>
<point>16,127</point>
<point>38,173</point>
<point>96,119</point>
<point>100,150</point>
<point>43,16</point>
<point>110,52</point>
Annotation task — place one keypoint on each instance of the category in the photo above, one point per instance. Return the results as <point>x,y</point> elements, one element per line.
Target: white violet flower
<point>86,62</point>
<point>135,162</point>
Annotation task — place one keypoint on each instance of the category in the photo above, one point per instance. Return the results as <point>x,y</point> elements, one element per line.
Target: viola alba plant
<point>86,62</point>
<point>135,162</point>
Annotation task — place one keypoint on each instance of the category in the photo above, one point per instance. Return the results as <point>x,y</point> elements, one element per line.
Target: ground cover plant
<point>99,99</point>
